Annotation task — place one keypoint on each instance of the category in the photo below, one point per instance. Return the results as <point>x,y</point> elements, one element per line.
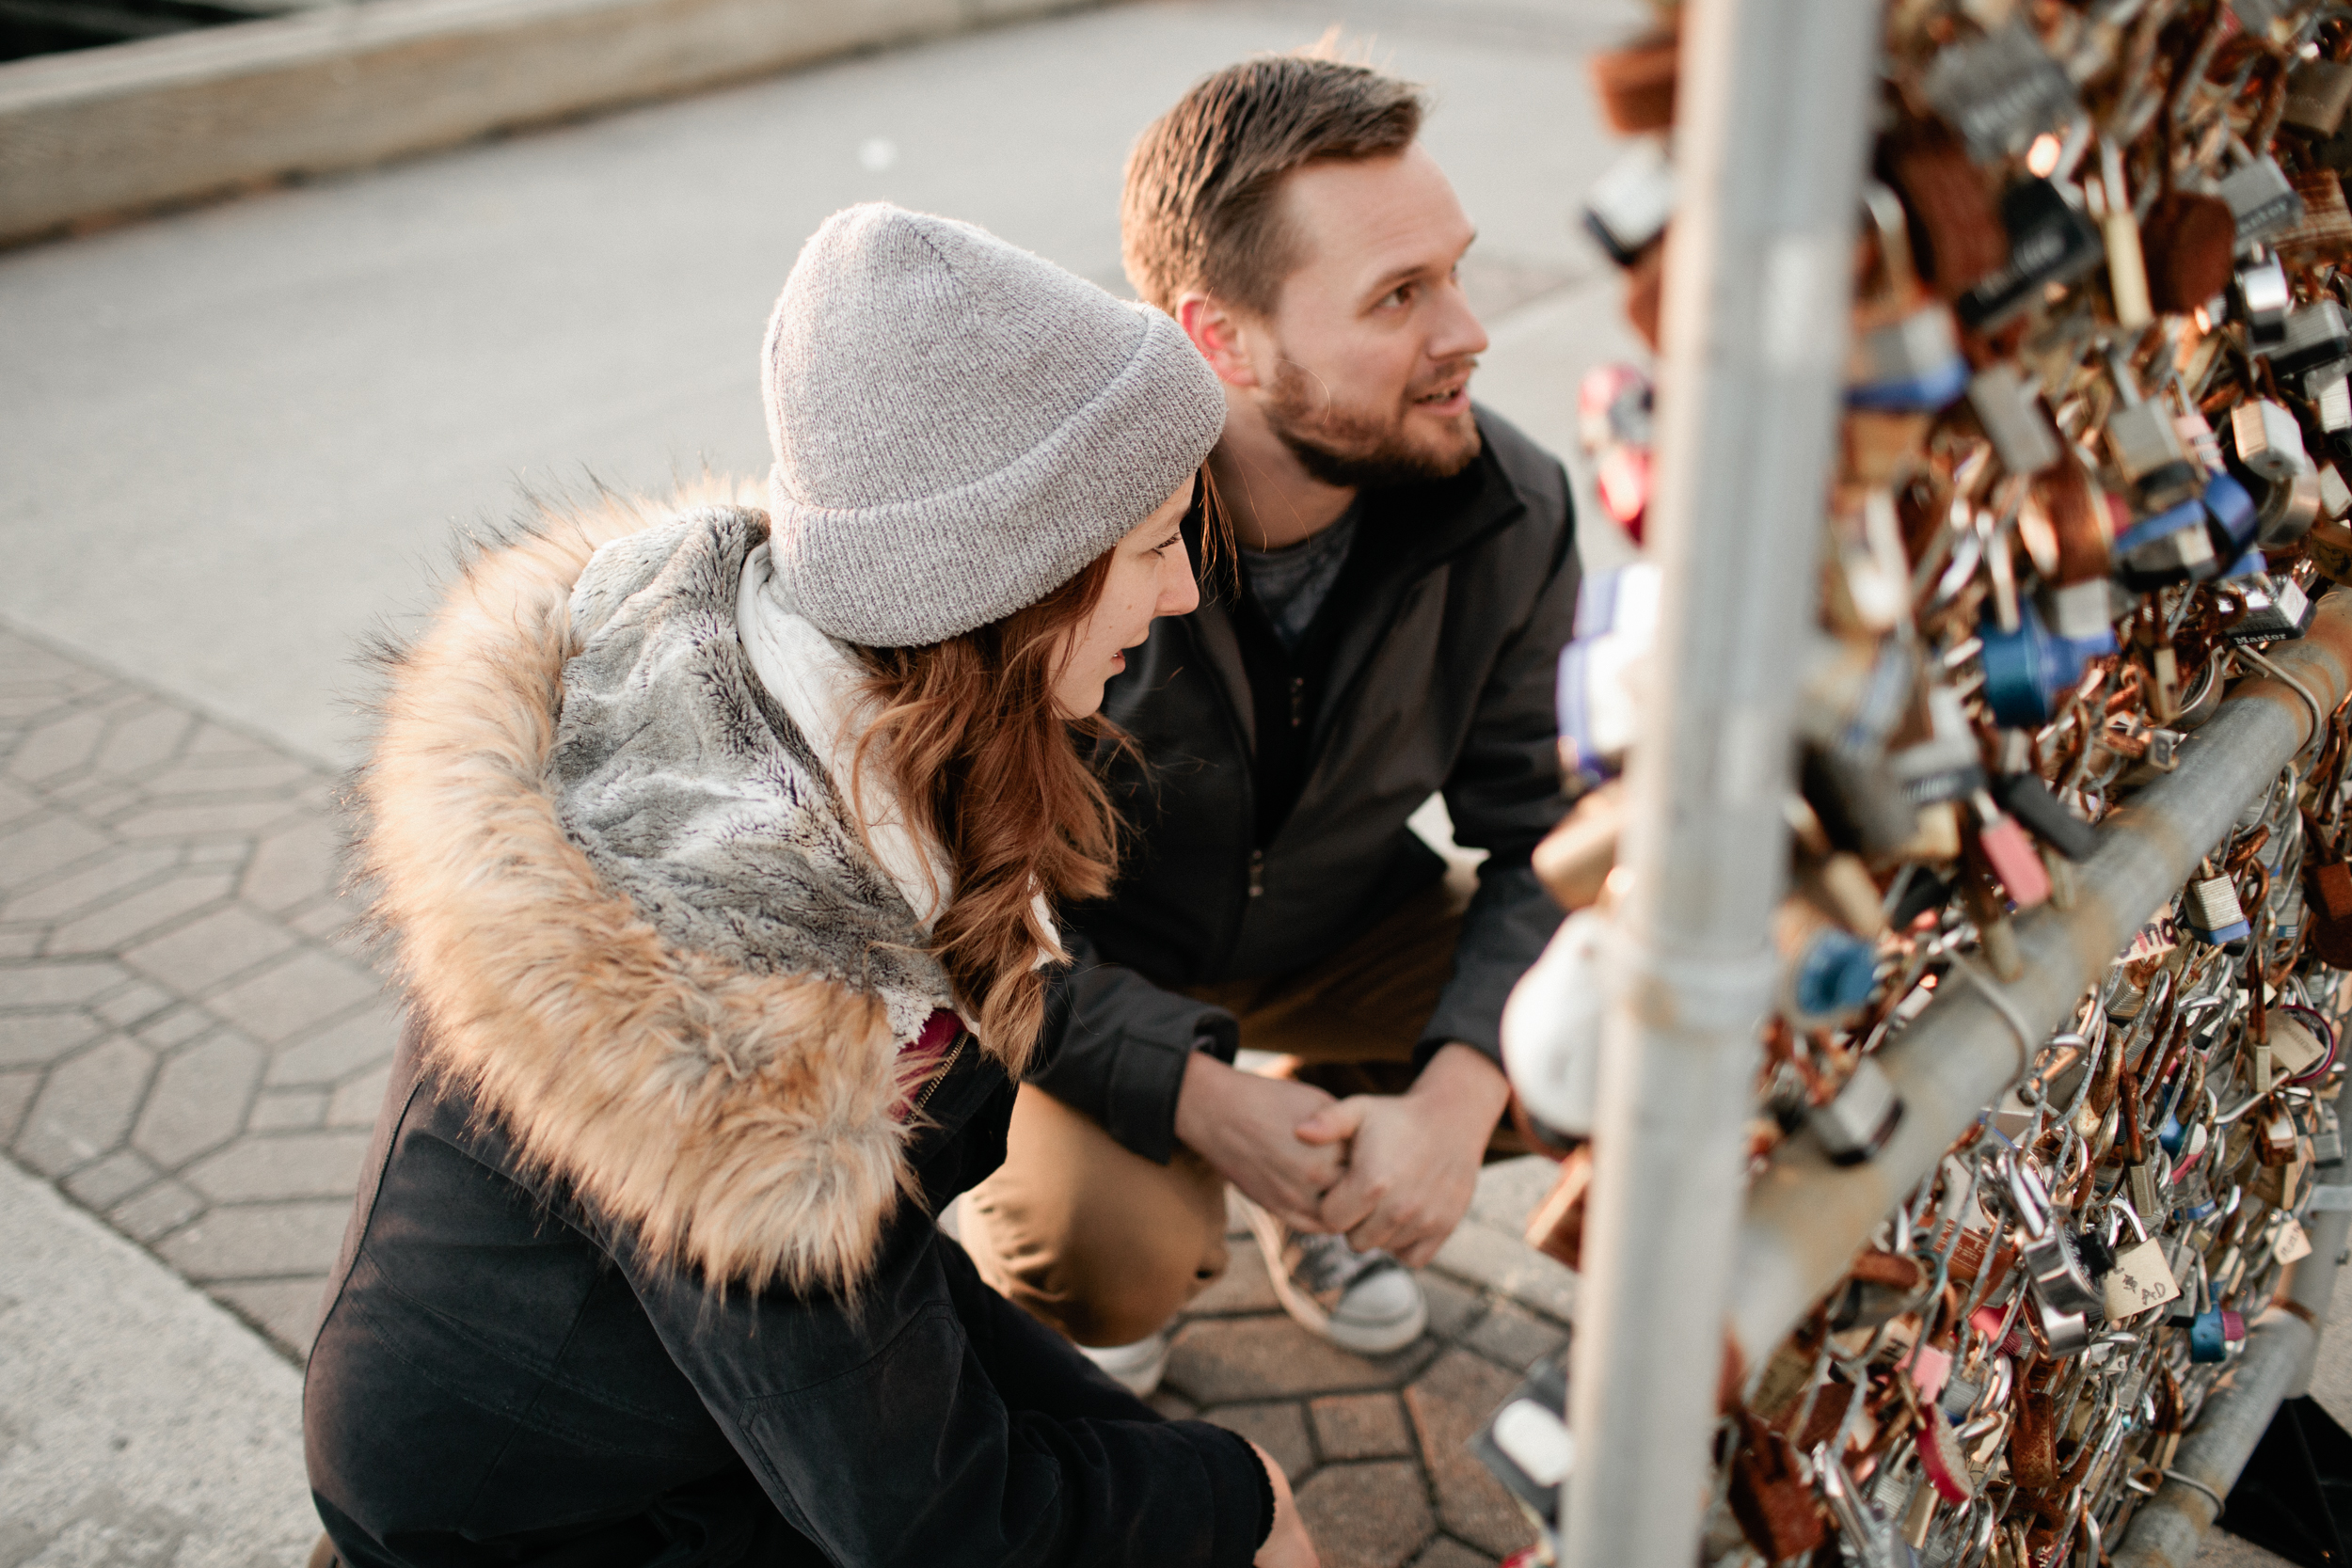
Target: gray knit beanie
<point>961,426</point>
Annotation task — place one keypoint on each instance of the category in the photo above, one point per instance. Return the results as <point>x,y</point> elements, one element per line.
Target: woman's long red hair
<point>967,732</point>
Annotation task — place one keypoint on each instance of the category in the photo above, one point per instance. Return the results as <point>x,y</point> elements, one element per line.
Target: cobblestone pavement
<point>193,1045</point>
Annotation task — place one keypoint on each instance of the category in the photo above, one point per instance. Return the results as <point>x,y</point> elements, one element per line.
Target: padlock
<point>2335,497</point>
<point>2049,242</point>
<point>2010,853</point>
<point>2210,910</point>
<point>2261,298</point>
<point>2189,241</point>
<point>1945,765</point>
<point>2275,610</point>
<point>2013,419</point>
<point>2329,546</point>
<point>2262,199</point>
<point>2027,670</point>
<point>2317,334</point>
<point>2139,1180</point>
<point>2330,392</point>
<point>2198,437</point>
<point>2146,446</point>
<point>1956,233</point>
<point>1910,360</point>
<point>2269,441</point>
<point>2232,520</point>
<point>2025,797</point>
<point>1770,1498</point>
<point>2000,91</point>
<point>2174,545</point>
<point>2081,615</point>
<point>2289,508</point>
<point>1630,205</point>
<point>1826,972</point>
<point>1856,1124</point>
<point>2213,1333</point>
<point>2317,93</point>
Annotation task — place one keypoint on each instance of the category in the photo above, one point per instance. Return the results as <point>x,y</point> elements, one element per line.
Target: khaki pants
<point>1107,1246</point>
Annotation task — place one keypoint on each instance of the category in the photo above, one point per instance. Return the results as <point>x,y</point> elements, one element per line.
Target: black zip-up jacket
<point>1439,675</point>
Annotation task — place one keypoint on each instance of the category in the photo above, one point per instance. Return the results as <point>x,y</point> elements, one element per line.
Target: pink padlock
<point>2011,853</point>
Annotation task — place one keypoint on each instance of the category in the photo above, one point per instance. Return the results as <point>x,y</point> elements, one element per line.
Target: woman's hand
<point>1288,1546</point>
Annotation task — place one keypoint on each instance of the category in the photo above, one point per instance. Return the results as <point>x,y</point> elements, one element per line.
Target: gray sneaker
<point>1366,1302</point>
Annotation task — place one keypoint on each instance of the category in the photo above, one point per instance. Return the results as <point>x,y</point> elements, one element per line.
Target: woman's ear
<point>1222,336</point>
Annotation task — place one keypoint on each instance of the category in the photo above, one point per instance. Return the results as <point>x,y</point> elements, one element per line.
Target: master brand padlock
<point>2277,609</point>
<point>1999,91</point>
<point>1906,356</point>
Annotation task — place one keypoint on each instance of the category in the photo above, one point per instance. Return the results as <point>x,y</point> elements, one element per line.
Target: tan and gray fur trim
<point>739,1123</point>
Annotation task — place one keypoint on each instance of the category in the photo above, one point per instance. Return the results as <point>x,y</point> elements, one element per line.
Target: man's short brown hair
<point>1200,210</point>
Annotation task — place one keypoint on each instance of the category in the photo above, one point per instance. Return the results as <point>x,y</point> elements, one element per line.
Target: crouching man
<point>1406,579</point>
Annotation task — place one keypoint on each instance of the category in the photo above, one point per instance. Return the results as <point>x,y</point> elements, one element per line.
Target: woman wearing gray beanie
<point>719,848</point>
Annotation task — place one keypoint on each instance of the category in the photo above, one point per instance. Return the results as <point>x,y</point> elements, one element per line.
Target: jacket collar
<point>738,1120</point>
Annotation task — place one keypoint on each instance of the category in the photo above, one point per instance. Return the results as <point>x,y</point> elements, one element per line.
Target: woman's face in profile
<point>1151,575</point>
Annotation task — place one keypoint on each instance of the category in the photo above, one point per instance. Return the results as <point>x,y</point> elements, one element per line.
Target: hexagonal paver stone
<point>57,746</point>
<point>292,865</point>
<point>257,1241</point>
<point>1505,1263</point>
<point>67,894</point>
<point>86,1106</point>
<point>360,1041</point>
<point>286,1309</point>
<point>1360,1425</point>
<point>307,988</point>
<point>44,845</point>
<point>134,915</point>
<point>209,949</point>
<point>1367,1515</point>
<point>282,1165</point>
<point>1516,1338</point>
<point>16,1094</point>
<point>30,1038</point>
<point>142,738</point>
<point>1279,1427</point>
<point>1452,1401</point>
<point>199,1099</point>
<point>1446,1553</point>
<point>1226,1360</point>
<point>58,985</point>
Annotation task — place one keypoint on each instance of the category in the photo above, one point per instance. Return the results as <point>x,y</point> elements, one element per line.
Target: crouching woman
<point>719,850</point>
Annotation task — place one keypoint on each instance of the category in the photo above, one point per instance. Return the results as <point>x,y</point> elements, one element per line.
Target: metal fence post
<point>1773,103</point>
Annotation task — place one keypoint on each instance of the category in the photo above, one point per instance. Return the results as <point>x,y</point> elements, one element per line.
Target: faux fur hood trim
<point>740,1124</point>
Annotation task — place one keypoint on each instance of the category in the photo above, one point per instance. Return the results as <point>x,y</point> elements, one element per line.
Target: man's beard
<point>1357,448</point>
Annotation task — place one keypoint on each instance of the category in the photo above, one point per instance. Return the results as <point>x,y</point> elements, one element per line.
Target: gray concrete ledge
<point>99,133</point>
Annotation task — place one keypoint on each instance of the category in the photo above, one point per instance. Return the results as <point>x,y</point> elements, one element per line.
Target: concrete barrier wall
<point>107,131</point>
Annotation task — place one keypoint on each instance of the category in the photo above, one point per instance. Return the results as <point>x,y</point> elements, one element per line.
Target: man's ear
<point>1221,337</point>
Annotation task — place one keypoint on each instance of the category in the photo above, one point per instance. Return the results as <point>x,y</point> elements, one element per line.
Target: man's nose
<point>1456,332</point>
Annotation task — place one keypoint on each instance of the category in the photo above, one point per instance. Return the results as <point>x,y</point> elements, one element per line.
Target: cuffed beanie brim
<point>961,426</point>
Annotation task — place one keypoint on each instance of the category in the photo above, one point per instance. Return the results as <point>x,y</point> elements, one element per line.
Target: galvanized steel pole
<point>1770,145</point>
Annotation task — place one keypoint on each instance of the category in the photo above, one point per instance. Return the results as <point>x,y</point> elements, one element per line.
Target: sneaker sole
<point>1364,1339</point>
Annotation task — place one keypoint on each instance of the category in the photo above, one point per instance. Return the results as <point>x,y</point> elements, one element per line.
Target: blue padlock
<point>2210,1334</point>
<point>2026,669</point>
<point>1836,974</point>
<point>2174,545</point>
<point>2232,516</point>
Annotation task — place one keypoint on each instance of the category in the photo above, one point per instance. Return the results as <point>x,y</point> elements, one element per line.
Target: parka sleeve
<point>932,1423</point>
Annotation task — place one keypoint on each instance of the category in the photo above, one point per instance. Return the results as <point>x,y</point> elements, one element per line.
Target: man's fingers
<point>1350,1204</point>
<point>1334,1124</point>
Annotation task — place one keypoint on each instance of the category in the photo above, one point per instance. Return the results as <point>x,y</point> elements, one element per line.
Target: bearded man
<point>1408,577</point>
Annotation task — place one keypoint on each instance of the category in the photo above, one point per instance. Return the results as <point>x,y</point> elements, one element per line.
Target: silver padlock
<point>2211,911</point>
<point>2000,91</point>
<point>2080,611</point>
<point>2261,198</point>
<point>2315,335</point>
<point>2269,441</point>
<point>2013,419</point>
<point>2288,511</point>
<point>1858,1122</point>
<point>2335,497</point>
<point>2331,391</point>
<point>2318,94</point>
<point>2264,298</point>
<point>2276,608</point>
<point>1947,765</point>
<point>2146,446</point>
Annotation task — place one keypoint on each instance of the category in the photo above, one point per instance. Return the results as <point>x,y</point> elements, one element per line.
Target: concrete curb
<point>97,133</point>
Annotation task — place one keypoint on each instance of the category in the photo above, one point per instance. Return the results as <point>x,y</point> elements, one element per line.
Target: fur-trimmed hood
<point>733,1099</point>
